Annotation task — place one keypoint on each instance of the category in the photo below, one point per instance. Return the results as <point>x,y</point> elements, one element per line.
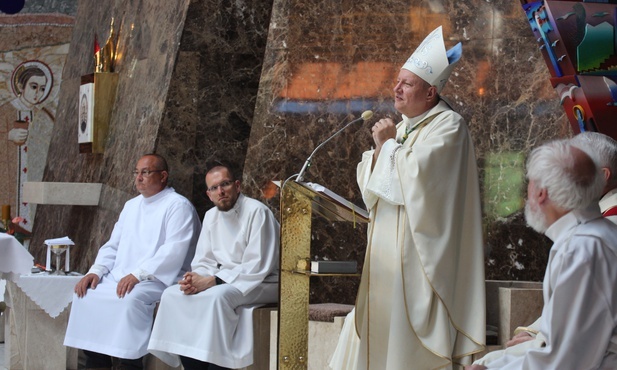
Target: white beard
<point>535,219</point>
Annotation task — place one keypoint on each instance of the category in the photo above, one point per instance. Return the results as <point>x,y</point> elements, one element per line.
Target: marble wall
<point>209,109</point>
<point>263,83</point>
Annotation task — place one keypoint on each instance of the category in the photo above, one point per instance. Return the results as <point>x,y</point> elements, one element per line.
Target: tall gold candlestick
<point>6,212</point>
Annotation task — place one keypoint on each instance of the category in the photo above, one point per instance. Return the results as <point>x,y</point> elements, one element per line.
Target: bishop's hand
<point>383,130</point>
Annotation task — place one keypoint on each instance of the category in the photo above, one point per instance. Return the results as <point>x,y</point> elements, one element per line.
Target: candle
<point>6,212</point>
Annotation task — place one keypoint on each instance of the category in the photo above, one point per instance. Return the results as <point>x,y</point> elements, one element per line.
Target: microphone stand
<point>307,164</point>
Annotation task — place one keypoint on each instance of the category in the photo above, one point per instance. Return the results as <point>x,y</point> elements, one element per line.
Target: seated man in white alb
<point>603,150</point>
<point>150,247</point>
<point>236,264</point>
<point>578,323</point>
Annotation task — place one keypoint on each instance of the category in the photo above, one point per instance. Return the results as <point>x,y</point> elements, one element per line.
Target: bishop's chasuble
<point>421,302</point>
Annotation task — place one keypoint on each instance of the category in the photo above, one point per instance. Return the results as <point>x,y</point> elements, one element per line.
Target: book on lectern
<point>340,200</point>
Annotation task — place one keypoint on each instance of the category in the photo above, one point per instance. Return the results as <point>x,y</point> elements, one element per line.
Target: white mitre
<point>431,62</point>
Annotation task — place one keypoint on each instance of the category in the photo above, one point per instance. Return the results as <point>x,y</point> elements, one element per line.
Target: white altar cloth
<point>15,260</point>
<point>52,293</point>
<point>37,316</point>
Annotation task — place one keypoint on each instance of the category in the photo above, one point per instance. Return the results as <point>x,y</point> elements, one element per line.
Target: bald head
<point>159,161</point>
<point>151,174</point>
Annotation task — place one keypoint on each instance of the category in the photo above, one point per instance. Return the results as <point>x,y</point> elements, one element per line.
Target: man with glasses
<point>206,320</point>
<point>150,248</point>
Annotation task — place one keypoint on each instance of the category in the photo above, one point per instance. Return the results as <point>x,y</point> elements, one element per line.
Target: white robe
<point>608,201</point>
<point>580,303</point>
<point>519,349</point>
<point>345,356</point>
<point>154,239</point>
<point>421,302</point>
<point>241,247</point>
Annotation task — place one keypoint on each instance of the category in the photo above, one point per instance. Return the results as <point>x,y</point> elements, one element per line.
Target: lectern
<point>299,202</point>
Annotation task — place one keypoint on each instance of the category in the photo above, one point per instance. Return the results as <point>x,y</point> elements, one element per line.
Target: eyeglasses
<point>223,185</point>
<point>145,173</point>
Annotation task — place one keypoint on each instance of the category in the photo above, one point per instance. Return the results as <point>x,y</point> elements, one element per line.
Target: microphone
<point>368,114</point>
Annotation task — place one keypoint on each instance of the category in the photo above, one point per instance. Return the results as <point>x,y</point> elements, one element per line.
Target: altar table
<point>37,319</point>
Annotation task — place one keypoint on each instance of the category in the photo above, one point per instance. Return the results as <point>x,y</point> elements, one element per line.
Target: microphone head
<point>368,114</point>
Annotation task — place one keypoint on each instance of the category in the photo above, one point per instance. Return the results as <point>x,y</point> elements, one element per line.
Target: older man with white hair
<point>580,303</point>
<point>603,150</point>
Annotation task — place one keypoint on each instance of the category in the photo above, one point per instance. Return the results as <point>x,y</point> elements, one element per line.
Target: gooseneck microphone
<point>365,116</point>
